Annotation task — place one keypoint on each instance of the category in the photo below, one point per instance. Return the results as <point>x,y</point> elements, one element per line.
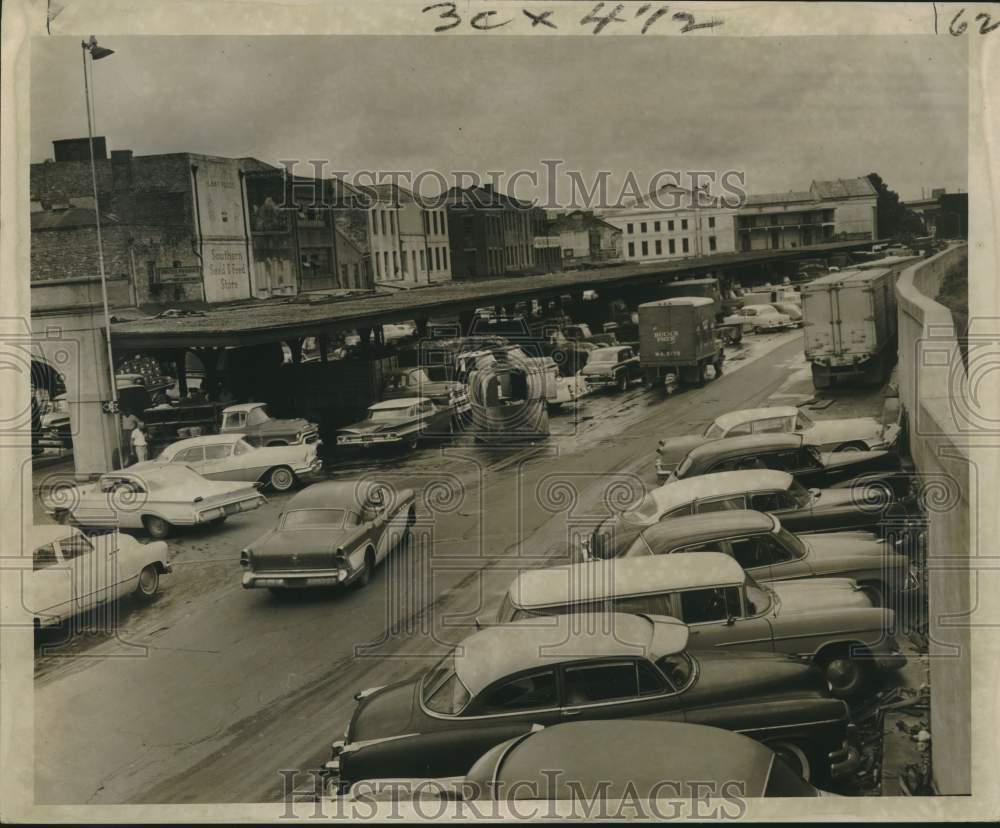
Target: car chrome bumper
<point>600,382</point>
<point>294,580</point>
<point>227,509</point>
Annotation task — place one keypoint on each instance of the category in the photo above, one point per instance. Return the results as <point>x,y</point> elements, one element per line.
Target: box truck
<point>850,325</point>
<point>708,287</point>
<point>677,339</point>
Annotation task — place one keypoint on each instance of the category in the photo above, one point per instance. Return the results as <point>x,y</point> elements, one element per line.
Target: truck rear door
<point>856,321</point>
<point>820,308</point>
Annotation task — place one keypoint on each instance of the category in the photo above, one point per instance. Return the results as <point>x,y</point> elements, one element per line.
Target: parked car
<point>758,318</point>
<point>766,549</point>
<point>156,497</point>
<point>394,423</point>
<point>259,428</point>
<point>614,366</point>
<point>502,680</point>
<point>637,760</point>
<point>801,510</point>
<point>333,533</point>
<point>405,383</point>
<point>230,457</point>
<point>72,573</point>
<point>791,310</point>
<point>830,621</point>
<point>834,434</point>
<point>867,471</point>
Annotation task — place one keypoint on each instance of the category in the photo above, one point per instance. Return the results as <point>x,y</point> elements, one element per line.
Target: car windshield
<point>758,597</point>
<point>386,415</point>
<point>442,691</point>
<point>799,493</point>
<point>684,467</point>
<point>311,518</point>
<point>714,431</point>
<point>678,668</point>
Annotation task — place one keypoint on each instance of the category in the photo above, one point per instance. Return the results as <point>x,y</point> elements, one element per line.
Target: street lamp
<point>98,53</point>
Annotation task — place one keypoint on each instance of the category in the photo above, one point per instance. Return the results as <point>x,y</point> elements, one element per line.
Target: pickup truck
<point>259,428</point>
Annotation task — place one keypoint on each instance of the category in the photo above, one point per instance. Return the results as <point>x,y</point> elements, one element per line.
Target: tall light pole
<point>97,53</point>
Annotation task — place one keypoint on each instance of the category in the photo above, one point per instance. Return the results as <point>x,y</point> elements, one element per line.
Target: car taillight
<point>245,558</point>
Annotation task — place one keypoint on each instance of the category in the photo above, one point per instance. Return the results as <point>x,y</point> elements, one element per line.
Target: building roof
<point>597,581</point>
<point>779,198</point>
<point>843,188</point>
<point>681,531</point>
<point>498,651</point>
<point>581,220</point>
<point>717,484</point>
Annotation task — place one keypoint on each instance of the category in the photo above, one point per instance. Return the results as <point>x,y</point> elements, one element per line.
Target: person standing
<point>139,445</point>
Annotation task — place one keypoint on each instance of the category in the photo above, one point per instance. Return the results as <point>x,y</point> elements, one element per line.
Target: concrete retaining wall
<point>932,385</point>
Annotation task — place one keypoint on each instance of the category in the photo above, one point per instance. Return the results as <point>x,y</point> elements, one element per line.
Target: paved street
<point>207,694</point>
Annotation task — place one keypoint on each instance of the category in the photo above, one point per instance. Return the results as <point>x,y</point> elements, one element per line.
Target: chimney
<point>78,149</point>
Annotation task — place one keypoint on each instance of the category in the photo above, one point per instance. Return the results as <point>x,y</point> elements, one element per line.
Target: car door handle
<point>572,712</point>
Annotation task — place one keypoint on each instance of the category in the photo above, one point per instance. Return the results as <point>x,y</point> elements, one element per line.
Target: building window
<point>395,261</point>
<point>437,258</point>
<point>671,246</point>
<point>645,248</point>
<point>711,242</point>
<point>656,227</point>
<point>423,264</point>
<point>711,222</point>
<point>357,274</point>
<point>642,227</point>
<point>427,223</point>
<point>444,257</point>
<point>631,248</point>
<point>374,223</point>
<point>684,224</point>
<point>659,247</point>
<point>631,228</point>
<point>670,226</point>
<point>382,215</point>
<point>684,245</point>
<point>405,269</point>
<point>378,267</point>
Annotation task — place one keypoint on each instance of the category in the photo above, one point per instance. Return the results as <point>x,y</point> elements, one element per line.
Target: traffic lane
<point>229,660</point>
<point>294,733</point>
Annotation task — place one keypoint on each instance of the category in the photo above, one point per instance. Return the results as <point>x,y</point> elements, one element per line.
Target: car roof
<point>598,580</point>
<point>736,446</point>
<point>401,402</point>
<point>204,440</point>
<point>505,649</point>
<point>748,415</point>
<point>328,494</point>
<point>44,533</point>
<point>701,528</point>
<point>609,348</point>
<point>688,301</point>
<point>242,407</point>
<point>634,755</point>
<point>718,484</point>
<point>766,305</point>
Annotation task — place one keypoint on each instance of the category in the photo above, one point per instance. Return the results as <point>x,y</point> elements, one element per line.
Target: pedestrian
<point>139,445</point>
<point>129,423</point>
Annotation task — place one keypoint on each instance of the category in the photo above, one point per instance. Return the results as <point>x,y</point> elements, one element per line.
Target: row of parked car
<point>752,592</point>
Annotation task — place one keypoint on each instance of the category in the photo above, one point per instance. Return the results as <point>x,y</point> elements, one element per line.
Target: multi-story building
<point>424,253</point>
<point>384,237</point>
<point>829,211</point>
<point>586,238</point>
<point>491,233</point>
<point>671,224</point>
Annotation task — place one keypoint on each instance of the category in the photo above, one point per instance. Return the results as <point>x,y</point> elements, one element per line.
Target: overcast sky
<point>784,110</point>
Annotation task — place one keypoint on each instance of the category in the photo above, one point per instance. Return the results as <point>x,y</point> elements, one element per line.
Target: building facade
<point>491,233</point>
<point>585,238</point>
<point>422,236</point>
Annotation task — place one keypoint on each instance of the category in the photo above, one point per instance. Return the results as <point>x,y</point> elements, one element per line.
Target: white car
<point>71,572</point>
<point>230,457</point>
<point>156,497</point>
<point>759,318</point>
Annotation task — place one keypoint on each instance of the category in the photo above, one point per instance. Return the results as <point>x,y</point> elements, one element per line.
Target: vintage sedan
<point>801,510</point>
<point>405,383</point>
<point>830,621</point>
<point>792,311</point>
<point>868,472</point>
<point>501,680</point>
<point>844,434</point>
<point>394,423</point>
<point>766,549</point>
<point>331,534</point>
<point>230,457</point>
<point>255,423</point>
<point>615,367</point>
<point>156,497</point>
<point>758,318</point>
<point>71,572</point>
<point>641,760</point>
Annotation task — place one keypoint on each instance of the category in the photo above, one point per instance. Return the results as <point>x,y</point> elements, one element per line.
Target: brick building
<point>491,233</point>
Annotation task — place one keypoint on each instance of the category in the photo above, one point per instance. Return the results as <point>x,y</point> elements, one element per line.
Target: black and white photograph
<point>480,410</point>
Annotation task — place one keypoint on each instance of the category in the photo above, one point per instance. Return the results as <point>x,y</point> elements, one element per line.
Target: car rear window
<point>309,518</point>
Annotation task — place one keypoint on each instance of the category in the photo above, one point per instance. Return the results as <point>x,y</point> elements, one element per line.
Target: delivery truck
<point>724,306</point>
<point>677,341</point>
<point>850,325</point>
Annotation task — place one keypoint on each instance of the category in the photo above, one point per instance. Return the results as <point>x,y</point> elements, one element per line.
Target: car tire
<point>718,368</point>
<point>157,527</point>
<point>855,446</point>
<point>148,583</point>
<point>795,756</point>
<point>281,478</point>
<point>623,382</point>
<point>411,443</point>
<point>846,677</point>
<point>366,574</point>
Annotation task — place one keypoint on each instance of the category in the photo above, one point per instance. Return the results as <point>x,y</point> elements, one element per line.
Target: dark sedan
<point>418,381</point>
<point>505,678</point>
<point>869,472</point>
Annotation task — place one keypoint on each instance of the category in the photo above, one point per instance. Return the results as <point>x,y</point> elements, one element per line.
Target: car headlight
<point>393,435</point>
